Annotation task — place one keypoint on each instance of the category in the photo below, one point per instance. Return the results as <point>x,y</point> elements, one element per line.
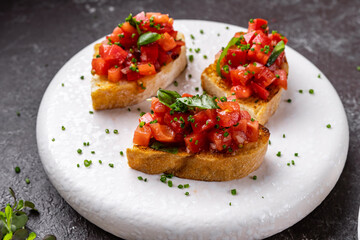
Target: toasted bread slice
<point>258,108</point>
<point>108,95</point>
<point>205,166</point>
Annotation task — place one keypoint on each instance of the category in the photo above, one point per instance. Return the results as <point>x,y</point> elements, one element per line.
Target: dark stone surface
<point>38,37</point>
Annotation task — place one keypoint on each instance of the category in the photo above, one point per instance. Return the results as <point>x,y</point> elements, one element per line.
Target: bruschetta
<point>197,137</point>
<point>252,67</point>
<point>141,55</point>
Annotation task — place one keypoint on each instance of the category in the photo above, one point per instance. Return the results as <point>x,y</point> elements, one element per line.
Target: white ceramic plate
<point>114,198</point>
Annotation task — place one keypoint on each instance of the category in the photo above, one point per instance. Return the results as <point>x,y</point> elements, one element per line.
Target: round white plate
<point>114,198</point>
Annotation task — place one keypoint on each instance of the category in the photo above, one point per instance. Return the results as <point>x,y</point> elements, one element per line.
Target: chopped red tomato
<point>235,57</point>
<point>240,76</point>
<point>196,142</point>
<point>265,77</point>
<point>241,91</point>
<point>259,90</point>
<point>245,115</point>
<point>167,42</point>
<point>219,139</point>
<point>112,54</point>
<point>177,121</point>
<point>132,75</point>
<point>162,133</point>
<point>228,114</point>
<point>203,120</point>
<point>252,131</point>
<point>147,118</point>
<point>114,74</point>
<point>239,131</point>
<point>149,53</point>
<point>258,24</point>
<point>142,135</point>
<point>277,37</point>
<point>146,69</point>
<point>100,66</point>
<point>281,78</point>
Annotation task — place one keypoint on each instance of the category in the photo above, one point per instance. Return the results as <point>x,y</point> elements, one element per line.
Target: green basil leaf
<point>19,221</point>
<point>31,236</point>
<point>20,205</point>
<point>8,236</point>
<point>167,97</point>
<point>147,38</point>
<point>223,54</point>
<point>30,205</point>
<point>278,49</point>
<point>49,237</point>
<point>203,102</point>
<point>162,147</point>
<point>21,234</point>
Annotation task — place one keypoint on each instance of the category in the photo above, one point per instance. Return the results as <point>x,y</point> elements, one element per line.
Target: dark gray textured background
<point>38,37</point>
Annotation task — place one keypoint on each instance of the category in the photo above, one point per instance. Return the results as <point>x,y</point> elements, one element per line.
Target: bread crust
<point>258,108</point>
<point>205,166</point>
<point>109,95</point>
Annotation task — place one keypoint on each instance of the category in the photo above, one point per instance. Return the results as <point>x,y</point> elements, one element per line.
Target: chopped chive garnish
<point>62,84</point>
<point>79,151</point>
<point>319,76</point>
<point>53,139</point>
<point>288,164</point>
<point>63,128</point>
<point>311,91</point>
<point>289,100</point>
<point>27,180</point>
<point>92,152</point>
<point>17,169</point>
<point>229,203</point>
<point>284,135</point>
<point>296,154</point>
<point>201,31</point>
<point>254,177</point>
<point>121,153</point>
<point>292,162</point>
<point>180,186</point>
<point>205,57</point>
<point>233,191</point>
<point>18,114</point>
<point>91,112</point>
<point>170,184</point>
<point>269,142</point>
<point>197,89</point>
<point>358,68</point>
<point>82,77</point>
<point>129,109</point>
<point>176,83</point>
<point>140,178</point>
<point>107,131</point>
<point>100,161</point>
<point>186,185</point>
<point>191,58</point>
<point>192,37</point>
<point>187,193</point>
<point>278,154</point>
<point>111,165</point>
<point>116,131</point>
<point>190,76</point>
<point>78,165</point>
<point>87,163</point>
<point>300,91</point>
<point>328,126</point>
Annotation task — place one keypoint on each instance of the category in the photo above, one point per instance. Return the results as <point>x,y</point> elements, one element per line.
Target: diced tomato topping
<point>235,57</point>
<point>258,24</point>
<point>280,59</point>
<point>164,58</point>
<point>249,36</point>
<point>245,115</point>
<point>114,74</point>
<point>162,133</point>
<point>142,135</point>
<point>259,90</point>
<point>177,121</point>
<point>228,114</point>
<point>265,77</point>
<point>281,78</point>
<point>203,120</point>
<point>132,75</point>
<point>277,37</point>
<point>240,76</point>
<point>220,139</point>
<point>186,95</point>
<point>196,142</point>
<point>146,69</point>
<point>147,118</point>
<point>149,53</point>
<point>167,42</point>
<point>239,131</point>
<point>112,54</point>
<point>241,91</point>
<point>159,108</point>
<point>100,66</point>
<point>252,131</point>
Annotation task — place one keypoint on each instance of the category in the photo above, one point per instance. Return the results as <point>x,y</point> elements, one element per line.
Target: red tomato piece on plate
<point>142,135</point>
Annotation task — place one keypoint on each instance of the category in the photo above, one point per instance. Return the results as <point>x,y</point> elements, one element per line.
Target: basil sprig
<point>147,38</point>
<point>278,49</point>
<point>232,42</point>
<point>177,103</point>
<point>133,22</point>
<point>162,147</point>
